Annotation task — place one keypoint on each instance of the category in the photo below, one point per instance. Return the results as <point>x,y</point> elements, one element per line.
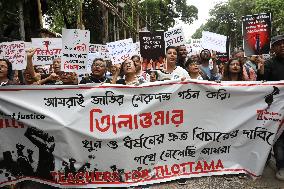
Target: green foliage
<point>226,18</point>
<point>161,14</point>
<point>276,7</point>
<point>62,14</point>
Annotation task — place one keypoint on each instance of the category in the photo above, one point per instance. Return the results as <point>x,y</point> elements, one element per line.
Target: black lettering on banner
<point>178,136</point>
<point>259,132</point>
<point>188,94</point>
<point>216,150</point>
<point>143,141</point>
<point>147,98</point>
<point>146,160</point>
<point>92,145</point>
<point>189,151</point>
<point>69,102</point>
<point>220,94</point>
<point>108,98</point>
<point>198,133</point>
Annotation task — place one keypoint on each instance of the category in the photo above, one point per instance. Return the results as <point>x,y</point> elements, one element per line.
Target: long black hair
<point>10,69</point>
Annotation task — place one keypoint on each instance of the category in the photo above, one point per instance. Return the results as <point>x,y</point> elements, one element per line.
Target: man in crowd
<point>182,56</point>
<point>98,74</point>
<point>273,70</point>
<point>207,72</point>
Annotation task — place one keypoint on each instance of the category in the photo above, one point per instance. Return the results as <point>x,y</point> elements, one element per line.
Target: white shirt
<point>177,73</point>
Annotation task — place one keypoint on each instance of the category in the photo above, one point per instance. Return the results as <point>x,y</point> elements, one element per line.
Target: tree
<point>226,19</point>
<point>10,19</point>
<point>276,7</point>
<point>161,15</point>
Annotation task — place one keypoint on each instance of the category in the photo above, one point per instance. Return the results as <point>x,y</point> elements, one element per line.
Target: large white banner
<point>47,49</point>
<point>75,49</point>
<point>106,135</point>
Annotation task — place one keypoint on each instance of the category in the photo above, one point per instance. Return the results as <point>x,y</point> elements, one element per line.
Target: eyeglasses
<point>98,65</point>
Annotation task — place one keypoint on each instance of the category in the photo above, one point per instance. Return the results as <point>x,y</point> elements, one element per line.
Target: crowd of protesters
<point>179,66</point>
<point>203,66</point>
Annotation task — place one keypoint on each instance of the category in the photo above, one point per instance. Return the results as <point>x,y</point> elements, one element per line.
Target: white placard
<point>174,37</point>
<point>75,50</point>
<point>47,49</point>
<point>15,53</point>
<point>213,41</point>
<point>120,50</point>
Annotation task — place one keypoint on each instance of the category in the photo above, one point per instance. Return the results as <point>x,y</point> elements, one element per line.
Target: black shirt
<point>273,70</point>
<point>92,79</point>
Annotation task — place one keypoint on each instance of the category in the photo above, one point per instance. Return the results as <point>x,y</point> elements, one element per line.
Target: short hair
<point>237,51</point>
<point>135,56</point>
<point>182,45</point>
<point>48,32</point>
<point>98,59</point>
<point>10,68</point>
<point>171,47</point>
<point>188,62</point>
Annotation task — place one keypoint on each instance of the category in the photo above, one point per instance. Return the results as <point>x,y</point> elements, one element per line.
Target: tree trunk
<point>39,13</point>
<point>21,20</point>
<point>105,25</point>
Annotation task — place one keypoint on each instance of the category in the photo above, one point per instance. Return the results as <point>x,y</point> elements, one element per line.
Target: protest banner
<point>75,50</point>
<point>109,135</point>
<point>256,34</point>
<point>152,49</point>
<point>47,49</point>
<point>137,48</point>
<point>101,49</point>
<point>105,52</point>
<point>213,41</point>
<point>120,50</point>
<point>174,37</point>
<point>194,47</point>
<point>15,52</point>
<point>95,48</point>
<point>224,57</point>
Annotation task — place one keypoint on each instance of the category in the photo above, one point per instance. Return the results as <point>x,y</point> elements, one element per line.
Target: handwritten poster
<point>213,41</point>
<point>152,49</point>
<point>47,49</point>
<point>105,53</point>
<point>15,53</point>
<point>174,37</point>
<point>95,48</point>
<point>109,135</point>
<point>75,49</point>
<point>120,50</point>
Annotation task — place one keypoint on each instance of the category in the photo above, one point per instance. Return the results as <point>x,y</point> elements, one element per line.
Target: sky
<point>203,7</point>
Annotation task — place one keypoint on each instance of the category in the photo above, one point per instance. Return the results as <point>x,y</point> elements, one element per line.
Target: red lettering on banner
<point>6,123</point>
<point>187,168</point>
<point>104,123</point>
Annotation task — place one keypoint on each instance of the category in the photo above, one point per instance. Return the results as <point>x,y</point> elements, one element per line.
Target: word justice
<point>103,123</point>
